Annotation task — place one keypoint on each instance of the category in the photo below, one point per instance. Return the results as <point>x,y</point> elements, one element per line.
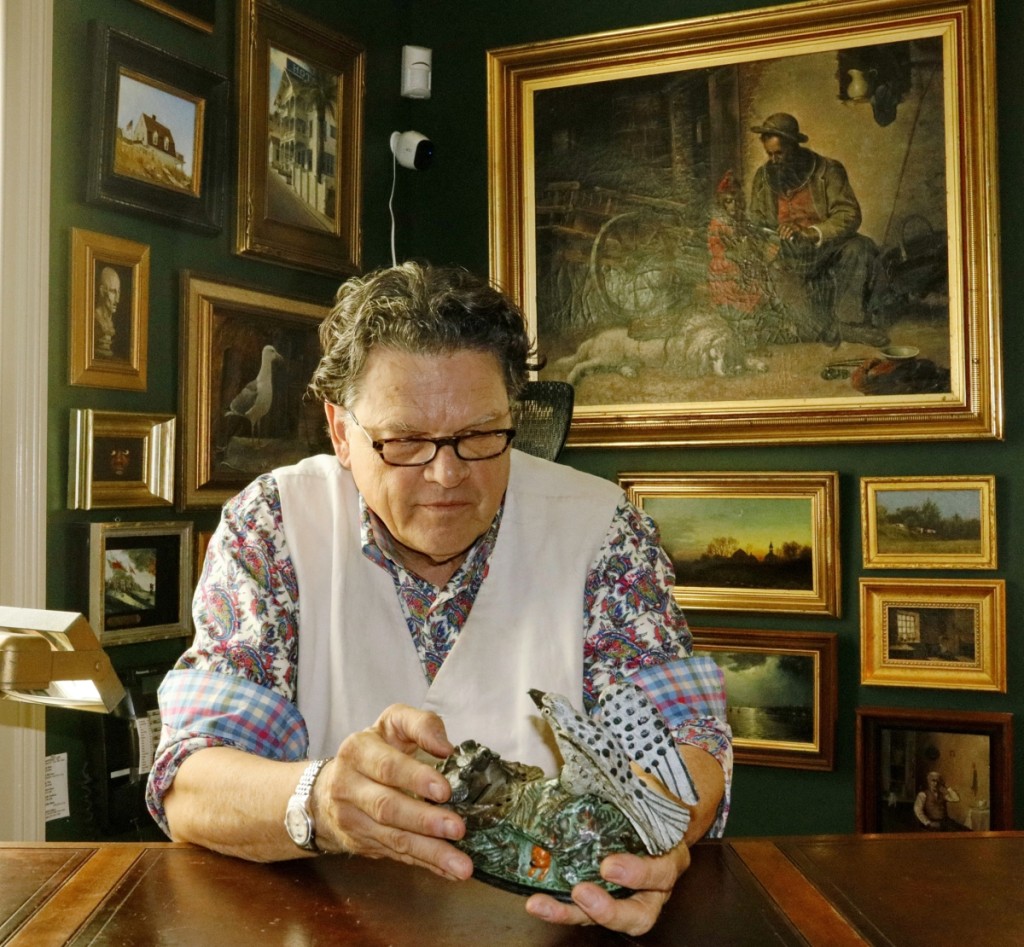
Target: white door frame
<point>26,48</point>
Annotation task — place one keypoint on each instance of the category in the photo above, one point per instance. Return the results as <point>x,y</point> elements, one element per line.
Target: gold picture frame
<point>109,313</point>
<point>120,459</point>
<point>199,14</point>
<point>928,522</point>
<point>942,633</point>
<point>752,542</point>
<point>140,581</point>
<point>762,666</point>
<point>300,126</point>
<point>607,153</point>
<point>238,340</point>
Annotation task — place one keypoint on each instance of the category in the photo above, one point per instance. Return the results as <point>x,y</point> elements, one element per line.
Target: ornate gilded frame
<point>120,459</point>
<point>776,406</point>
<point>226,327</point>
<point>945,512</point>
<point>942,633</point>
<point>796,511</point>
<point>126,368</point>
<point>317,223</point>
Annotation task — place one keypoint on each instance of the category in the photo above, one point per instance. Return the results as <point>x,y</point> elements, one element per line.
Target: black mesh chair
<point>541,416</point>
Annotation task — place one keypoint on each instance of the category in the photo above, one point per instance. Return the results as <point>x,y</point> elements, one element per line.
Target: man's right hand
<point>370,799</point>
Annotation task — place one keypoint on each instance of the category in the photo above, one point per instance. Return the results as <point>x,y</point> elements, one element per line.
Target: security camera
<point>412,150</point>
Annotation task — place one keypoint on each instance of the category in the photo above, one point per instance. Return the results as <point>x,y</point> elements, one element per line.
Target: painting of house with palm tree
<point>303,141</point>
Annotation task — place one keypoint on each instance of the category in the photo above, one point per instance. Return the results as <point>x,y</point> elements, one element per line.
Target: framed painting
<point>109,317</point>
<point>751,542</point>
<point>300,126</point>
<point>199,14</point>
<point>159,132</point>
<point>934,770</point>
<point>120,458</point>
<point>657,206</point>
<point>928,522</point>
<point>782,694</point>
<point>246,358</point>
<point>140,581</point>
<point>934,633</point>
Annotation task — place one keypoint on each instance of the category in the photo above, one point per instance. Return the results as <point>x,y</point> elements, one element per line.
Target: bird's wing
<point>646,739</point>
<point>595,762</point>
<point>243,401</point>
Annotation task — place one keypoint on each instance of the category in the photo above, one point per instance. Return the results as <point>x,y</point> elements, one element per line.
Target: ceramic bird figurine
<point>597,754</point>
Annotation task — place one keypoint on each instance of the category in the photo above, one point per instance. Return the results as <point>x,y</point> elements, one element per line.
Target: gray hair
<point>421,309</point>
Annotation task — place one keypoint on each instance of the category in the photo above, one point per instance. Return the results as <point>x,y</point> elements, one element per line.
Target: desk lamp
<point>55,658</point>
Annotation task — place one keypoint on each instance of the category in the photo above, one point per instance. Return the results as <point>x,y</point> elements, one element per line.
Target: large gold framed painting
<point>778,226</point>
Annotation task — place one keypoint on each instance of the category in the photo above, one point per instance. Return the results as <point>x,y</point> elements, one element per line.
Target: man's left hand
<point>651,878</point>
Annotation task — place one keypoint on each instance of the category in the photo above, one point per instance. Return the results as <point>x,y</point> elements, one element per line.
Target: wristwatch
<point>298,820</point>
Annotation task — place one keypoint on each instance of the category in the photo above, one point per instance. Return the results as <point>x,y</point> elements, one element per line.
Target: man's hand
<point>369,800</point>
<point>651,878</point>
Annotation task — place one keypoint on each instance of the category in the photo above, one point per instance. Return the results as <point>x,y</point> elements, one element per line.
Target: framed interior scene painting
<point>928,522</point>
<point>782,694</point>
<point>757,542</point>
<point>246,358</point>
<point>300,127</point>
<point>948,633</point>
<point>159,133</point>
<point>657,207</point>
<point>934,770</point>
<point>140,581</point>
<point>120,458</point>
<point>109,318</point>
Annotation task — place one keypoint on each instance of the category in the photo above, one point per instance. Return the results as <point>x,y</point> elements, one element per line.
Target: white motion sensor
<point>412,150</point>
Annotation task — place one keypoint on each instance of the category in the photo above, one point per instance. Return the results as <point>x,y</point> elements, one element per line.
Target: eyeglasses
<point>420,451</point>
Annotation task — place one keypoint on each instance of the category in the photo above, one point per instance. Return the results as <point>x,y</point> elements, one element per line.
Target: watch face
<point>298,824</point>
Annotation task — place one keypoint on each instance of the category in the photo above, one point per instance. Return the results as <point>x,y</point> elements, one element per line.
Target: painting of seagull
<point>599,754</point>
<point>254,400</point>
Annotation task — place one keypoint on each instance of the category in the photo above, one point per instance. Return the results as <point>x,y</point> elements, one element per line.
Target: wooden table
<point>899,890</point>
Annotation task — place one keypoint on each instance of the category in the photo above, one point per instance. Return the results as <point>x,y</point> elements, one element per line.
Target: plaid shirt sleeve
<point>635,630</point>
<point>199,709</point>
<point>235,686</point>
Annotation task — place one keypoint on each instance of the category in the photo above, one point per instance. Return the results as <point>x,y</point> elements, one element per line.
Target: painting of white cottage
<point>302,132</point>
<point>159,134</point>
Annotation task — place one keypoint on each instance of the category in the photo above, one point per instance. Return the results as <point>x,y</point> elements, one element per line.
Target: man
<point>825,266</point>
<point>404,595</point>
<point>108,295</point>
<point>931,805</point>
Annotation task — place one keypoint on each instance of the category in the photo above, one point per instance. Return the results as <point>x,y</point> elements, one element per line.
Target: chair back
<point>541,416</point>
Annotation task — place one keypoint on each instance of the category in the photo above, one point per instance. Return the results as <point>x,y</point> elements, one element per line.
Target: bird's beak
<point>537,697</point>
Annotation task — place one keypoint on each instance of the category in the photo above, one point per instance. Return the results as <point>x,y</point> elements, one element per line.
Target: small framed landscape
<point>934,633</point>
<point>140,581</point>
<point>109,319</point>
<point>120,458</point>
<point>782,694</point>
<point>764,542</point>
<point>928,522</point>
<point>934,770</point>
<point>159,136</point>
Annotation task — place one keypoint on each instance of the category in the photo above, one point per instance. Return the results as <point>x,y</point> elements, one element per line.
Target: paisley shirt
<point>241,687</point>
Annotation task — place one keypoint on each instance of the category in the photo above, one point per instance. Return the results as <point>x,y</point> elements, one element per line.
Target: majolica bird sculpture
<point>529,832</point>
<point>597,754</point>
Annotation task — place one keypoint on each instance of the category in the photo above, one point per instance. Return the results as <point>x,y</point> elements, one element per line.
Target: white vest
<point>525,629</point>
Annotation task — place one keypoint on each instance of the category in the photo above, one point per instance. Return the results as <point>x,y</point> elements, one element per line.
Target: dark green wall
<point>443,216</point>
